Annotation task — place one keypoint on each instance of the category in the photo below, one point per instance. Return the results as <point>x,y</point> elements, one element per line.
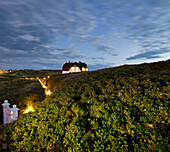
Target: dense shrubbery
<point>17,90</point>
<point>122,109</point>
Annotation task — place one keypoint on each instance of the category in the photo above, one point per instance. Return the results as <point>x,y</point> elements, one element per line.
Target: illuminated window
<point>77,69</point>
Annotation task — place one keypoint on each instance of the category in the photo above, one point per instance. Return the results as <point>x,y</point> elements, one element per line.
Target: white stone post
<point>5,115</point>
<point>9,114</point>
<point>14,113</point>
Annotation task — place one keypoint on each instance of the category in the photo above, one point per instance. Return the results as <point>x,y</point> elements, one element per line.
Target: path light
<point>29,109</point>
<point>48,92</point>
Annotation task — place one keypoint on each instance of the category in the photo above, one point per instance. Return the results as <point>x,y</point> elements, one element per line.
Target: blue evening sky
<point>44,34</point>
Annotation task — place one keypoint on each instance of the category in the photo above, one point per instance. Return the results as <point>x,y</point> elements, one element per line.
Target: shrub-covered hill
<point>19,91</point>
<point>117,109</point>
<point>33,73</point>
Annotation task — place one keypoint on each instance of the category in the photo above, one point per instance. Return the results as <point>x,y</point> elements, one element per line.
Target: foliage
<point>117,109</point>
<point>33,73</point>
<point>17,90</point>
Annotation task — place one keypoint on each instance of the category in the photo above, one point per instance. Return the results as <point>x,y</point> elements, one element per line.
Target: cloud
<point>105,48</point>
<point>148,55</point>
<point>99,66</point>
<point>30,37</point>
<point>38,29</point>
<point>98,58</point>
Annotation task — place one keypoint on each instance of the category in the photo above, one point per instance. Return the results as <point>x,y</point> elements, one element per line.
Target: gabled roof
<point>67,66</point>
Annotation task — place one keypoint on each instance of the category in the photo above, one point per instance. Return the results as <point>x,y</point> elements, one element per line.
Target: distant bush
<point>122,109</point>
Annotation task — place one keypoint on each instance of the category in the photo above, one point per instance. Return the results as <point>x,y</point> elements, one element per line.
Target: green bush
<point>121,109</point>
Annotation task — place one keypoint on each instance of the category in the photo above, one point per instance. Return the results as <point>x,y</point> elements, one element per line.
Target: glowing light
<point>29,109</point>
<point>48,92</point>
<point>11,112</point>
<point>48,76</point>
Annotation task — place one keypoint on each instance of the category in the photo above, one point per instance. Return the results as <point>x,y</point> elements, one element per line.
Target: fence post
<point>9,114</point>
<point>14,113</point>
<point>5,105</point>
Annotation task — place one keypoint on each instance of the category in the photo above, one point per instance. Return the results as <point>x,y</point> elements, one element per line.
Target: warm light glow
<point>11,112</point>
<point>48,92</point>
<point>11,117</point>
<point>75,69</point>
<point>29,109</point>
<point>65,72</point>
<point>48,76</point>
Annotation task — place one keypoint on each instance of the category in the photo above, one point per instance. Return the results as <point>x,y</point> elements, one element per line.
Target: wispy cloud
<point>37,29</point>
<point>148,55</point>
<point>105,48</point>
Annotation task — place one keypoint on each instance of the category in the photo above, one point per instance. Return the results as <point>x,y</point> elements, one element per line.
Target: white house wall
<point>74,69</point>
<point>65,72</point>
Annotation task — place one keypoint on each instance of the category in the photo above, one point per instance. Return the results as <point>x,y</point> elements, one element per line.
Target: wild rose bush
<point>121,109</point>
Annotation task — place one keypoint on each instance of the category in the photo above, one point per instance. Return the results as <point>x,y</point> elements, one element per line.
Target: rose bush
<point>120,109</point>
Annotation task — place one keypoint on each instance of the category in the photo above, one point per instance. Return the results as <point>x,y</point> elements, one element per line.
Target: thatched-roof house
<point>74,67</point>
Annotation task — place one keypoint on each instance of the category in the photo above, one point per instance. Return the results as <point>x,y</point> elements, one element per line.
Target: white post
<point>14,113</point>
<point>5,115</point>
<point>9,114</point>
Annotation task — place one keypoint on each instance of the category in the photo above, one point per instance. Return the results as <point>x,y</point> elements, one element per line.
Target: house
<point>74,67</point>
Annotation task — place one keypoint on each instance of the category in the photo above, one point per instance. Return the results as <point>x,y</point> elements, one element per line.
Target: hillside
<point>18,90</point>
<point>116,109</point>
<point>33,73</point>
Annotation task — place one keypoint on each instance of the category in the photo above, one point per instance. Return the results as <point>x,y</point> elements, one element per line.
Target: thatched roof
<point>67,66</point>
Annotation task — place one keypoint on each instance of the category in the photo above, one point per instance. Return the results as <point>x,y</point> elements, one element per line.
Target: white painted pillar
<point>14,113</point>
<point>5,109</point>
<point>9,114</point>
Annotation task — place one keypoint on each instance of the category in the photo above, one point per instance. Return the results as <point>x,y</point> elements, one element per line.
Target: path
<point>48,91</point>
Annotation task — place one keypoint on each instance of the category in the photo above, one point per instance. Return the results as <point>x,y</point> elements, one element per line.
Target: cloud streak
<point>148,55</point>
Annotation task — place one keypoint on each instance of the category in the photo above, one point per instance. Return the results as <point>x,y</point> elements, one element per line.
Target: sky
<point>44,34</point>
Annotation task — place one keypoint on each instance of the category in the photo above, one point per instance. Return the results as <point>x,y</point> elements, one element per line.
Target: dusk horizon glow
<point>46,34</point>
